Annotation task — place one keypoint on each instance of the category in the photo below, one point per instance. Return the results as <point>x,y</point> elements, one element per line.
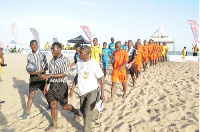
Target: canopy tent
<point>161,36</point>
<point>79,40</point>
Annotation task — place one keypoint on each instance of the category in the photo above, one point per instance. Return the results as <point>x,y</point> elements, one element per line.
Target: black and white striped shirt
<point>39,59</point>
<point>59,65</point>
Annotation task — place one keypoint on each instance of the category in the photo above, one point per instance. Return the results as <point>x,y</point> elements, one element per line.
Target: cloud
<point>90,4</point>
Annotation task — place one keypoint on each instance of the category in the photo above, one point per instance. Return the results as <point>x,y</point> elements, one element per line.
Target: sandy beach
<point>166,99</point>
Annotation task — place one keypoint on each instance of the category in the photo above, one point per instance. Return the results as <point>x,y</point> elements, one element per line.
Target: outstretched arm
<point>47,76</point>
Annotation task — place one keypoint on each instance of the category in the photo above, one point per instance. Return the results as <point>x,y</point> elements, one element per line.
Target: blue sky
<point>121,19</point>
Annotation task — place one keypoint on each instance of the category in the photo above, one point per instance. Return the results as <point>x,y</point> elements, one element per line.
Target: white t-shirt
<point>88,74</point>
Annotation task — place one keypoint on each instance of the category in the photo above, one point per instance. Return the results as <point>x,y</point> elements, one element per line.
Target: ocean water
<point>189,53</point>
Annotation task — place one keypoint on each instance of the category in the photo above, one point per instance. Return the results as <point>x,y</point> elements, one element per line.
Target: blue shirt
<point>76,57</point>
<point>112,47</point>
<point>105,53</point>
<point>124,46</point>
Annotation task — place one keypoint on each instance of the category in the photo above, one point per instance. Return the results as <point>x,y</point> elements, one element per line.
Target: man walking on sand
<point>58,89</point>
<point>111,46</point>
<point>106,53</point>
<point>88,77</point>
<point>130,67</point>
<point>119,70</point>
<point>96,51</point>
<point>40,60</point>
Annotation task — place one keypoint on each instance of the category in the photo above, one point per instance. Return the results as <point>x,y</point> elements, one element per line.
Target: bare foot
<point>78,118</point>
<point>52,128</point>
<point>124,96</point>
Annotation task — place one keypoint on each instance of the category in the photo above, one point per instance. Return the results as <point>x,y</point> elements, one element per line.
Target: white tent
<point>161,36</point>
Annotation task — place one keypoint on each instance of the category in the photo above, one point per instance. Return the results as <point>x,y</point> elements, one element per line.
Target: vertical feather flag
<point>88,33</point>
<point>195,30</point>
<point>35,34</point>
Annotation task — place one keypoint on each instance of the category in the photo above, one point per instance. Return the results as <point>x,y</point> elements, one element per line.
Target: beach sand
<point>166,99</point>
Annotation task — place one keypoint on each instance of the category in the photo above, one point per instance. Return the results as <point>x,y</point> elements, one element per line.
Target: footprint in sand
<point>150,101</point>
<point>155,118</point>
<point>162,98</point>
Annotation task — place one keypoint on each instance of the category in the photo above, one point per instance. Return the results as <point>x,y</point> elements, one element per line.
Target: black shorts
<point>194,54</point>
<point>58,92</point>
<point>131,70</point>
<point>35,83</point>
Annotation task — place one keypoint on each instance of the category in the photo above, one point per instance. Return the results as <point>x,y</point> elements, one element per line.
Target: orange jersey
<point>150,48</point>
<point>120,57</point>
<point>140,55</point>
<point>146,50</point>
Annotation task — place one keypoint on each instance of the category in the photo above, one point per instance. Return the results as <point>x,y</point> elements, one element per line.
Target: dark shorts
<point>35,83</point>
<point>194,54</point>
<point>58,92</point>
<point>131,70</point>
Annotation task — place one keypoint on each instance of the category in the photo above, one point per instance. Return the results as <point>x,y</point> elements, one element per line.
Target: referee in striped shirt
<point>58,90</point>
<point>40,60</point>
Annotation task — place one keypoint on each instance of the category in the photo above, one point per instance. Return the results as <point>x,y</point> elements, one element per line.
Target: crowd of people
<point>91,70</point>
<point>68,47</point>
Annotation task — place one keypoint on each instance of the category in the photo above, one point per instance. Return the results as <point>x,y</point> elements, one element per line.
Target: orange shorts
<point>138,66</point>
<point>151,57</point>
<point>119,75</point>
<point>155,57</point>
<point>145,59</point>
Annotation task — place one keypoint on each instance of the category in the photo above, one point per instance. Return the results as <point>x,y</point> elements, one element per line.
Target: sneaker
<point>25,116</point>
<point>1,101</point>
<point>49,109</point>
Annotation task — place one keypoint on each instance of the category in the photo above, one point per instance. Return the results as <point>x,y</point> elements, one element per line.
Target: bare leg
<point>124,89</point>
<point>104,70</point>
<point>134,80</point>
<point>30,100</point>
<point>69,107</point>
<point>137,73</point>
<point>127,80</point>
<point>144,66</point>
<point>112,91</point>
<point>151,62</point>
<point>54,114</point>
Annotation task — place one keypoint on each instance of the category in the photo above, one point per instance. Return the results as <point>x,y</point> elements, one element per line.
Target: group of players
<point>126,59</point>
<point>91,64</point>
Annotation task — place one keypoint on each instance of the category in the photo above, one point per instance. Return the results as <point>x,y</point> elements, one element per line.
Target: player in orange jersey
<point>138,61</point>
<point>119,70</point>
<point>150,45</point>
<point>146,55</point>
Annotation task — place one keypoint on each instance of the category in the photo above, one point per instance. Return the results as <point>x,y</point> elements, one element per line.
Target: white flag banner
<point>1,44</point>
<point>35,34</point>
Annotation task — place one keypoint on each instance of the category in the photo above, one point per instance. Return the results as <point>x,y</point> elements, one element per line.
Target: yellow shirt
<point>0,66</point>
<point>95,51</point>
<point>184,52</point>
<point>196,49</point>
<point>46,46</point>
